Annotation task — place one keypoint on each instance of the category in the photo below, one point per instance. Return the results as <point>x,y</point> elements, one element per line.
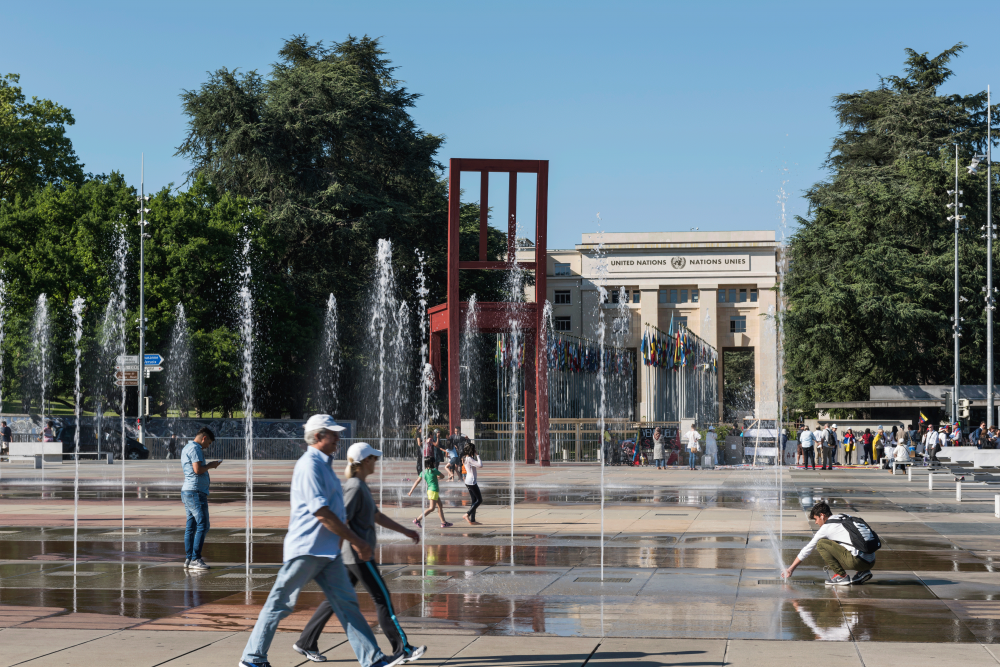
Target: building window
<point>732,296</point>
<point>635,296</point>
<point>743,296</point>
<point>753,295</point>
<point>563,298</point>
<point>673,296</point>
<point>563,324</point>
<point>694,296</point>
<point>663,296</point>
<point>722,295</point>
<point>562,269</point>
<point>684,296</point>
<point>738,324</point>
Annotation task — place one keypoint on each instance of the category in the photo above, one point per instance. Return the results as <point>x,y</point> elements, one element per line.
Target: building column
<point>649,313</point>
<point>766,355</point>
<point>708,297</point>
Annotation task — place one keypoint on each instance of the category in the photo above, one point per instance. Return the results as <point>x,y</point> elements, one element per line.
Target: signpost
<point>127,383</point>
<point>151,360</point>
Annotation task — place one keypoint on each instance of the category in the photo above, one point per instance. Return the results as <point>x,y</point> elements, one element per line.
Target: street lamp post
<point>956,319</point>
<point>989,235</point>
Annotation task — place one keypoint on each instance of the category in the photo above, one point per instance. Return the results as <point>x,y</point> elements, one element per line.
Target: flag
<point>923,418</point>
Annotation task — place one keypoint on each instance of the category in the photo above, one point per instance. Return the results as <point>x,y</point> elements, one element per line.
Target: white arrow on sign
<point>153,369</point>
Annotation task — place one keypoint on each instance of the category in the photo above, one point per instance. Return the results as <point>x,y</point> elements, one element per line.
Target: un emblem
<point>678,263</point>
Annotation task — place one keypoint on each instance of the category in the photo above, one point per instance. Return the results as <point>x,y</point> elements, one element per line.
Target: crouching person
<point>844,543</point>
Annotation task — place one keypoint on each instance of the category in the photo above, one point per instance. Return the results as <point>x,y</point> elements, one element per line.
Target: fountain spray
<point>330,359</point>
<point>246,338</point>
<point>426,378</point>
<point>601,270</point>
<point>78,306</point>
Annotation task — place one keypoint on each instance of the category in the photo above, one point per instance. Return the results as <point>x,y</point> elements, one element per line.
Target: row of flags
<point>677,349</point>
<point>574,356</point>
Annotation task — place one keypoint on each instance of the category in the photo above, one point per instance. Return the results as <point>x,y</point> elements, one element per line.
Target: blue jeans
<point>659,463</point>
<point>692,459</point>
<point>331,575</point>
<point>196,508</point>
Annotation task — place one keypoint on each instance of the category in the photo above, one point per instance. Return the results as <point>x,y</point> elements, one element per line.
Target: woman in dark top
<point>362,514</point>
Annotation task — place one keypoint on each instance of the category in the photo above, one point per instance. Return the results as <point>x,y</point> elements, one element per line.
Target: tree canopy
<point>870,274</point>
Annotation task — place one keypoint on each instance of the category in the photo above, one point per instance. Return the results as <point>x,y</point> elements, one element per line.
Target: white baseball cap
<point>317,422</point>
<point>359,451</point>
<point>834,426</point>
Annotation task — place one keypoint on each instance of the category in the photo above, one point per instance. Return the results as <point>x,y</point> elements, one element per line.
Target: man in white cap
<point>312,552</point>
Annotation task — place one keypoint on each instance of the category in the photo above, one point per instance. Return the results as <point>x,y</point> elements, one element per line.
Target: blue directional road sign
<point>153,360</point>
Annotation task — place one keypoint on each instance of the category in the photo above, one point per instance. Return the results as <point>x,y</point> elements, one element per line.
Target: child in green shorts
<point>430,475</point>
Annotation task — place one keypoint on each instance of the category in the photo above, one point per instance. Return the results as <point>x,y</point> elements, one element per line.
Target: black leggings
<point>477,500</point>
<point>369,575</point>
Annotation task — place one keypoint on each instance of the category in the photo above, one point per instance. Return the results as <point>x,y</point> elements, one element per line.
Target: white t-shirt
<point>693,437</point>
<point>818,436</point>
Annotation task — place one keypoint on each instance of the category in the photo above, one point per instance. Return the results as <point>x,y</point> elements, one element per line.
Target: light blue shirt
<point>806,438</point>
<point>314,486</point>
<point>193,452</point>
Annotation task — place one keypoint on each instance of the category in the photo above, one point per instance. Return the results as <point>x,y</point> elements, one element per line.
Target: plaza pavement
<point>689,574</point>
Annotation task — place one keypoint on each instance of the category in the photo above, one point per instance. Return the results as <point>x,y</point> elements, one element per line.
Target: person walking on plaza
<point>361,514</point>
<point>878,445</point>
<point>819,436</point>
<point>712,446</point>
<point>694,448</point>
<point>6,437</point>
<point>194,494</point>
<point>930,444</point>
<point>430,475</point>
<point>807,442</point>
<point>837,542</point>
<point>312,553</point>
<point>472,463</point>
<point>978,437</point>
<point>658,448</point>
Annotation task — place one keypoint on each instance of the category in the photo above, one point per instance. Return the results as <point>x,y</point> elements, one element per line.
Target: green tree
<point>870,278</point>
<point>34,148</point>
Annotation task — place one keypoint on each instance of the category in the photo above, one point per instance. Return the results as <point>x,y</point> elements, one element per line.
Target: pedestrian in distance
<point>48,433</point>
<point>454,461</point>
<point>361,514</point>
<point>430,476</point>
<point>807,443</point>
<point>844,543</point>
<point>312,552</point>
<point>694,446</point>
<point>471,463</point>
<point>194,494</point>
<point>878,444</point>
<point>658,458</point>
<point>866,447</point>
<point>829,446</point>
<point>172,446</point>
<point>6,437</point>
<point>712,446</point>
<point>978,437</point>
<point>900,456</point>
<point>819,437</point>
<point>850,444</point>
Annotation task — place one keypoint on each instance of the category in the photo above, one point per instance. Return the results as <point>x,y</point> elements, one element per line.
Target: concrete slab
<point>657,652</point>
<point>130,648</point>
<point>755,653</point>
<point>20,645</point>
<point>893,654</point>
<point>524,652</point>
<point>228,649</point>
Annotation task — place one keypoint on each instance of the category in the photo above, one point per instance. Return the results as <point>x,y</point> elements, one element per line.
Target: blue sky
<point>660,116</point>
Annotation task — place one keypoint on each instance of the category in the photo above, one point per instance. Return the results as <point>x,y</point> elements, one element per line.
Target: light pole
<point>956,319</point>
<point>989,235</point>
<point>143,199</point>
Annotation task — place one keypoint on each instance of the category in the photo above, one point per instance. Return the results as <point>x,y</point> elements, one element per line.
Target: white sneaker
<point>415,653</point>
<point>198,564</point>
<point>312,655</point>
<point>187,563</point>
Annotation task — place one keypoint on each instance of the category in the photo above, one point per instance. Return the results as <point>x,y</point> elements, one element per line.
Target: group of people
<point>692,442</point>
<point>889,448</point>
<point>331,540</point>
<point>462,460</point>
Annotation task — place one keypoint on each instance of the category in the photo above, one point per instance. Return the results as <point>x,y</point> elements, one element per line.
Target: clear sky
<point>659,116</point>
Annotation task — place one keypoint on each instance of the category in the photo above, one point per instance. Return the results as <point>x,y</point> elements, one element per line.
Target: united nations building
<point>717,289</point>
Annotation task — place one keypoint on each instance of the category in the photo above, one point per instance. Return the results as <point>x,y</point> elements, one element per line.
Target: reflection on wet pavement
<point>682,559</point>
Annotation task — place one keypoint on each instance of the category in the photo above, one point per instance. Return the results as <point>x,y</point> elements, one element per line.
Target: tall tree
<point>870,281</point>
<point>34,148</point>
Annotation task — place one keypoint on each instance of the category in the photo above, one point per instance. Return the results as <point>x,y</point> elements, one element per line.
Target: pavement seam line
<point>62,649</point>
<point>460,650</point>
<point>194,650</point>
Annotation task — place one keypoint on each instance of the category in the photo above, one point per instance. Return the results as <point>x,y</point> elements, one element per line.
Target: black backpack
<point>863,538</point>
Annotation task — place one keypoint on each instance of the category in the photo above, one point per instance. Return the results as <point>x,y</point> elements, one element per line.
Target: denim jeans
<point>692,459</point>
<point>331,575</point>
<point>659,463</point>
<point>196,508</point>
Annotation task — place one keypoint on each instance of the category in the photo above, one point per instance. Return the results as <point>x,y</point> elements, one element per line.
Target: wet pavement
<point>687,555</point>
